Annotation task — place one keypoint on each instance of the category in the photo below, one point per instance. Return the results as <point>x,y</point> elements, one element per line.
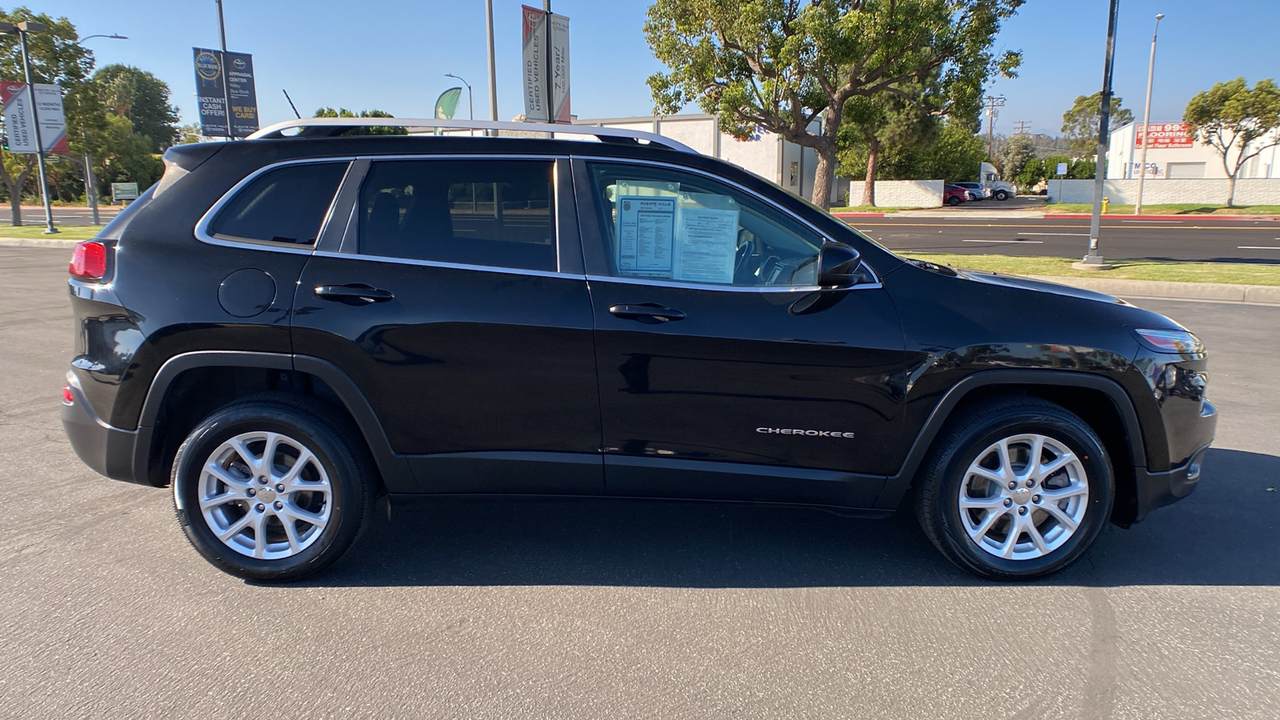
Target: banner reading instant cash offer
<point>215,68</point>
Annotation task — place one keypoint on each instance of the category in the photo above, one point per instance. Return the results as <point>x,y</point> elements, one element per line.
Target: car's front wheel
<point>1001,195</point>
<point>1015,489</point>
<point>271,490</point>
<point>953,201</point>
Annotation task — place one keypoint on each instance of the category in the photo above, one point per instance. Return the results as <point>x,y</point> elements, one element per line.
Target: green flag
<point>447,103</point>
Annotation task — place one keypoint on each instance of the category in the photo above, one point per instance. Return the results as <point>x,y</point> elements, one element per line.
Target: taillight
<point>89,261</point>
<point>68,398</point>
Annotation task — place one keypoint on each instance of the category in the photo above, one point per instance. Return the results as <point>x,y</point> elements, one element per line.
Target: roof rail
<point>329,127</point>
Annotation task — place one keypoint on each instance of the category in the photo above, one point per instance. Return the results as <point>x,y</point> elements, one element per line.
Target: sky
<point>392,55</point>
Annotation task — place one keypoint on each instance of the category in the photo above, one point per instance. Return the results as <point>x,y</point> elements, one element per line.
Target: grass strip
<point>1165,271</point>
<point>65,232</point>
<point>1168,209</point>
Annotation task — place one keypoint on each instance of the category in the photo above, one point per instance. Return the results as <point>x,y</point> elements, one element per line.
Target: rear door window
<point>285,205</point>
<point>495,213</point>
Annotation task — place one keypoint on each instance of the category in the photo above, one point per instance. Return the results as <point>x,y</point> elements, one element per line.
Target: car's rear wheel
<point>271,490</point>
<point>1001,195</point>
<point>1015,489</point>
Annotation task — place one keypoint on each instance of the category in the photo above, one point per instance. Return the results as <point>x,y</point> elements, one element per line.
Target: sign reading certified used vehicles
<point>806,433</point>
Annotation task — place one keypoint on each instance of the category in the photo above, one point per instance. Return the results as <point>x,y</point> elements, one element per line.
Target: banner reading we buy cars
<point>21,125</point>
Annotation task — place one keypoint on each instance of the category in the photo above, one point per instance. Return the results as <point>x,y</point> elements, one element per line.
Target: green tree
<point>1080,123</point>
<point>780,65</point>
<point>128,157</point>
<point>1013,154</point>
<point>55,58</point>
<point>885,120</point>
<point>1031,173</point>
<point>1232,118</point>
<point>953,155</point>
<point>189,133</point>
<point>143,98</point>
<point>328,112</point>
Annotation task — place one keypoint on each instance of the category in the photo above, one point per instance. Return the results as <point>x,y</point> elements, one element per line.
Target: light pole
<point>493,77</point>
<point>471,108</point>
<point>1146,116</point>
<point>22,29</point>
<point>1092,260</point>
<point>90,181</point>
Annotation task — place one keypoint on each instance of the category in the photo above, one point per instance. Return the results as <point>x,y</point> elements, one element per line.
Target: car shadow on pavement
<point>1224,534</point>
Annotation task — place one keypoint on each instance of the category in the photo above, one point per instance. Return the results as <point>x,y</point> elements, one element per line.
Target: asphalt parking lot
<point>574,609</point>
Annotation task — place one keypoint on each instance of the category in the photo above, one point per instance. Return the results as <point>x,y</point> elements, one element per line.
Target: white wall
<point>1211,191</point>
<point>900,193</point>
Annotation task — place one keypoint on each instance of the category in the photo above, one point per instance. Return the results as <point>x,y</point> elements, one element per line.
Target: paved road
<point>594,609</point>
<point>62,215</point>
<point>1200,240</point>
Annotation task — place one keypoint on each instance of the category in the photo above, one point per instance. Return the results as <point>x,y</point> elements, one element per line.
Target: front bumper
<point>1157,489</point>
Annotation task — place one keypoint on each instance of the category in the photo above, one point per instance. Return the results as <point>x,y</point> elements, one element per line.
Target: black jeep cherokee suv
<point>285,328</point>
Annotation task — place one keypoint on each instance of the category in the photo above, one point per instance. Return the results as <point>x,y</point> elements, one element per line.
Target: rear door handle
<point>646,312</point>
<point>354,294</point>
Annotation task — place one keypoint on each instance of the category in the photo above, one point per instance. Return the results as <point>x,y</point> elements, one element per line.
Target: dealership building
<point>1175,155</point>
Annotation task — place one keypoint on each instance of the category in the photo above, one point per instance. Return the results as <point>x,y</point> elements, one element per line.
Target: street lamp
<point>471,110</point>
<point>471,115</point>
<point>1146,117</point>
<point>90,181</point>
<point>23,29</point>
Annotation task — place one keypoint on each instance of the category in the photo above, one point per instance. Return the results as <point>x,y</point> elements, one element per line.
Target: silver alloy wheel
<point>265,495</point>
<point>1023,497</point>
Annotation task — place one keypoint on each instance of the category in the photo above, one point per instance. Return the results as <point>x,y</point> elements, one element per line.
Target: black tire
<point>953,201</point>
<point>341,464</point>
<point>1001,195</point>
<point>970,435</point>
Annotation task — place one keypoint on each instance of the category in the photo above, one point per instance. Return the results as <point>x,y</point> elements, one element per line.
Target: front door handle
<point>354,294</point>
<point>646,312</point>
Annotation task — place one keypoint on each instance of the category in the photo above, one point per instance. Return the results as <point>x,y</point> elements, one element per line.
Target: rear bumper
<point>107,450</point>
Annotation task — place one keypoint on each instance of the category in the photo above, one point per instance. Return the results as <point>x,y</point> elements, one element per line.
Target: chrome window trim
<point>449,265</point>
<point>203,234</point>
<point>726,181</point>
<point>658,282</point>
<point>351,241</point>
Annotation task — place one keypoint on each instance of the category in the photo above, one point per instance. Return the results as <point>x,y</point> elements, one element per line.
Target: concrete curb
<point>1222,292</point>
<point>38,242</point>
<point>843,215</point>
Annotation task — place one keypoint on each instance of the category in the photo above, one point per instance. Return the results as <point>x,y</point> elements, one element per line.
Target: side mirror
<point>837,265</point>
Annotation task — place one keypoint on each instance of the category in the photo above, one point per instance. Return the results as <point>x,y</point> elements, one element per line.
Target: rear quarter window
<point>284,205</point>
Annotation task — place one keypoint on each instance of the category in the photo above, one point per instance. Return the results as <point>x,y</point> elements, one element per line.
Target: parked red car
<point>954,194</point>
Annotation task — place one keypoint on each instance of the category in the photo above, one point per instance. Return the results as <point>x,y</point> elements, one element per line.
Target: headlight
<point>1171,341</point>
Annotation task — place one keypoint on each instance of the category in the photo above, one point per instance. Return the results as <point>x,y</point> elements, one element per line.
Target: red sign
<point>1166,135</point>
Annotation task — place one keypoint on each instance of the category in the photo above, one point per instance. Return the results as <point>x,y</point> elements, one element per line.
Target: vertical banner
<point>533,27</point>
<point>560,69</point>
<point>209,92</point>
<point>20,124</point>
<point>236,71</point>
<point>244,96</point>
